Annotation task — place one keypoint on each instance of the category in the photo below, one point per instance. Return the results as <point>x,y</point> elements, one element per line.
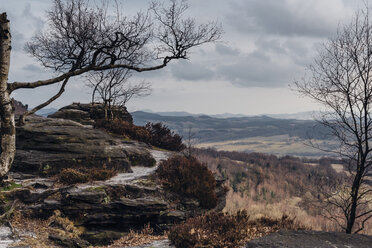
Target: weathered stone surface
<point>74,115</point>
<point>310,239</point>
<point>46,145</point>
<point>87,113</point>
<point>102,208</point>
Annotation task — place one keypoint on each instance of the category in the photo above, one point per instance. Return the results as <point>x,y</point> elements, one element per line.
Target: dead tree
<point>82,37</point>
<point>341,80</point>
<point>113,88</point>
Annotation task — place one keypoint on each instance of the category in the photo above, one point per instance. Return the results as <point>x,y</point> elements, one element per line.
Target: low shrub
<point>83,175</point>
<point>72,176</point>
<point>187,177</point>
<point>124,128</point>
<point>101,174</point>
<point>163,137</point>
<point>155,134</point>
<point>224,230</point>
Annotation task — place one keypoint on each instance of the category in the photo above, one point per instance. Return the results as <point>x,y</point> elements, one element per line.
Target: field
<point>279,145</point>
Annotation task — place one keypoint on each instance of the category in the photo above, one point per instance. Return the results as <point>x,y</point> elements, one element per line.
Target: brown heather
<point>187,177</point>
<point>163,137</point>
<point>120,127</point>
<point>83,175</point>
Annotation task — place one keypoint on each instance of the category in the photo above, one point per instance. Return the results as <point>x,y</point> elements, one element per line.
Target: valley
<point>247,134</point>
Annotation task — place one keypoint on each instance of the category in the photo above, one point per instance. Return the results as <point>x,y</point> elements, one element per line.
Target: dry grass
<point>291,206</point>
<point>278,145</point>
<point>35,232</point>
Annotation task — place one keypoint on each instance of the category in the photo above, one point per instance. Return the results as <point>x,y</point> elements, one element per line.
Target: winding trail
<point>139,171</point>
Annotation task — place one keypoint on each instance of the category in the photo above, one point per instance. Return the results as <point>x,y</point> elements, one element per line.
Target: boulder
<point>47,145</point>
<point>86,114</point>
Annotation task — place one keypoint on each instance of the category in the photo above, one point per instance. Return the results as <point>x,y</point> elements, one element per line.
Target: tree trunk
<point>354,199</point>
<point>8,147</point>
<point>105,110</point>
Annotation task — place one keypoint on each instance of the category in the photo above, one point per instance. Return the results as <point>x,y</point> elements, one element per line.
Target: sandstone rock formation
<point>47,145</point>
<point>106,210</point>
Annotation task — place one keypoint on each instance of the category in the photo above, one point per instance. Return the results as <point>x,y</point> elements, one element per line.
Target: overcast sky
<point>266,46</point>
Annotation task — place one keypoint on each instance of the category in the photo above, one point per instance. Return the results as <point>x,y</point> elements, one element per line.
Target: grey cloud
<point>186,70</point>
<point>257,70</point>
<point>272,45</point>
<point>226,50</point>
<point>288,18</point>
<point>32,68</point>
<point>18,41</point>
<point>35,20</point>
<point>273,63</point>
<point>296,50</point>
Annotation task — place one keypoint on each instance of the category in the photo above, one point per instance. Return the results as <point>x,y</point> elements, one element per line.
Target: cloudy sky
<point>266,46</point>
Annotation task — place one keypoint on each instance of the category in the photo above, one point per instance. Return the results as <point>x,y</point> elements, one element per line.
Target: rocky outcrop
<point>108,209</point>
<point>46,145</point>
<point>86,114</point>
<point>19,107</point>
<point>310,239</point>
<point>105,210</point>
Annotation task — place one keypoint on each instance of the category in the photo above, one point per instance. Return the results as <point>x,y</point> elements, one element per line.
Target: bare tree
<point>114,89</point>
<point>190,142</point>
<point>83,37</point>
<point>341,79</point>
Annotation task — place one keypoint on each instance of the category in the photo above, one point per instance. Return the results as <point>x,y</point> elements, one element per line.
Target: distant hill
<point>309,115</point>
<point>247,134</point>
<point>46,112</point>
<point>211,129</point>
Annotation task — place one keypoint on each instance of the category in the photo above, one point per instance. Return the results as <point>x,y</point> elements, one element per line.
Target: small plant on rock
<point>121,127</point>
<point>163,137</point>
<point>72,176</point>
<point>83,175</point>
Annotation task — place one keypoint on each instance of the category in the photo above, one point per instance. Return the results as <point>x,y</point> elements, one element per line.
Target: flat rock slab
<point>311,239</point>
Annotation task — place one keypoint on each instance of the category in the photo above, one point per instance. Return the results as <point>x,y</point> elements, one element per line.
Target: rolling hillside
<point>251,134</point>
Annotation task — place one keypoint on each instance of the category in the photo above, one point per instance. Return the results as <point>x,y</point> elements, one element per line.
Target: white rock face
<point>139,171</point>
